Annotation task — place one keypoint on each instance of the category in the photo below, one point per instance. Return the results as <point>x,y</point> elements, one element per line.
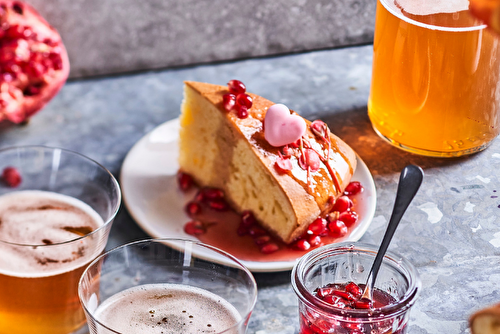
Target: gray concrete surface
<point>115,36</point>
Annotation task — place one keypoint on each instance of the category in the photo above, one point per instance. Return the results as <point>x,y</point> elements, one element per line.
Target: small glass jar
<point>351,262</point>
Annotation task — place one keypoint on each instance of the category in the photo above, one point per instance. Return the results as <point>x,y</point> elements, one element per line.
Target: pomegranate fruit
<point>34,63</point>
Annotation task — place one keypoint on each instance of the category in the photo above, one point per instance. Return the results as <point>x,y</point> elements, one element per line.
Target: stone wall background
<point>116,36</point>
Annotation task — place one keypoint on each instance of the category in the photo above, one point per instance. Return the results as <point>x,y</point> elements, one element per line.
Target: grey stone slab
<point>450,231</point>
<point>115,36</point>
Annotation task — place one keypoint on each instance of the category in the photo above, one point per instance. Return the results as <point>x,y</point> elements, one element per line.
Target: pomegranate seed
<point>244,100</point>
<point>193,208</point>
<point>323,292</point>
<point>200,197</point>
<point>339,303</point>
<point>228,101</point>
<point>269,248</point>
<point>56,61</point>
<point>353,188</point>
<point>212,193</point>
<point>194,227</point>
<point>337,228</point>
<point>283,165</point>
<point>317,227</point>
<point>343,203</point>
<point>256,231</point>
<point>236,87</point>
<point>218,205</point>
<point>314,240</point>
<point>15,32</point>
<point>31,90</point>
<point>11,67</point>
<point>343,294</point>
<point>302,245</point>
<point>7,77</point>
<point>242,111</point>
<point>331,299</point>
<point>349,218</point>
<point>247,218</point>
<point>185,181</point>
<point>50,42</point>
<point>261,240</point>
<point>6,56</point>
<point>363,303</point>
<point>11,177</point>
<point>34,70</point>
<point>354,289</point>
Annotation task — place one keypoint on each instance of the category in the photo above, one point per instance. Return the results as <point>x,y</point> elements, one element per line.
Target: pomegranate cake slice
<point>284,169</point>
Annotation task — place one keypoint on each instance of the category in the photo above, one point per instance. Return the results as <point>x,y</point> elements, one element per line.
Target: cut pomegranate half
<point>34,63</point>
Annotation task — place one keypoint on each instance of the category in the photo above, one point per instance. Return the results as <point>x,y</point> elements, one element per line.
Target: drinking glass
<point>39,273</point>
<point>166,286</point>
<point>351,262</point>
<point>435,87</point>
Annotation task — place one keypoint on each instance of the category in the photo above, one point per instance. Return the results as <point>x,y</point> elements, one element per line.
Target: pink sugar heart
<point>281,128</point>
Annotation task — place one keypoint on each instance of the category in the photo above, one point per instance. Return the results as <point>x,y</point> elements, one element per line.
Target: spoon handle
<point>409,182</point>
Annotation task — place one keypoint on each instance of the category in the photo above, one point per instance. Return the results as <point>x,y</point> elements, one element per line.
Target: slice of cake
<point>284,169</point>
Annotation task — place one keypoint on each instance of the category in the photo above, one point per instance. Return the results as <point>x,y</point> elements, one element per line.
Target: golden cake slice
<point>221,150</point>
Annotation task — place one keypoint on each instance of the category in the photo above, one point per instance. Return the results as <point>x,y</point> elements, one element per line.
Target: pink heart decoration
<point>281,128</point>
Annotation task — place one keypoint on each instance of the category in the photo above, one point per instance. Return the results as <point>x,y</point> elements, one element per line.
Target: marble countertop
<point>450,232</point>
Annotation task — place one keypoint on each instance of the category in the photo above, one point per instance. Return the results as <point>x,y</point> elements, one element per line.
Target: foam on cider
<point>167,309</point>
<point>449,15</point>
<point>429,7</point>
<point>34,217</point>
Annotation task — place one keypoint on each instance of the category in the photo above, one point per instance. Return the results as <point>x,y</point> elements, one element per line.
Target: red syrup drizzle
<point>215,223</point>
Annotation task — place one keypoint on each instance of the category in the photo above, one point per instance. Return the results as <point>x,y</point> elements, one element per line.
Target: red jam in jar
<point>327,283</point>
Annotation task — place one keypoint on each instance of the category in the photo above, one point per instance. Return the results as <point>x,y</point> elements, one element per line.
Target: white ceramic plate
<point>150,191</point>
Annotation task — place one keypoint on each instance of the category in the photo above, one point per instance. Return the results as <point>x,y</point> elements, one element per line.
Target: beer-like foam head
<point>429,7</point>
<point>44,220</point>
<point>167,308</point>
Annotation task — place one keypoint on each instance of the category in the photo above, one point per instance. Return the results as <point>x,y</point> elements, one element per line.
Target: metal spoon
<point>409,182</point>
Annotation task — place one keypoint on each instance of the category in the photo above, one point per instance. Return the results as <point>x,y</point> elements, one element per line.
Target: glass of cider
<point>56,210</point>
<point>435,86</point>
<point>167,286</point>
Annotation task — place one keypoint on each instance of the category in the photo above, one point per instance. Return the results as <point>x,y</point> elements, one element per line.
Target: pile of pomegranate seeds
<point>335,225</point>
<point>249,226</point>
<point>346,295</point>
<point>11,177</point>
<point>237,99</point>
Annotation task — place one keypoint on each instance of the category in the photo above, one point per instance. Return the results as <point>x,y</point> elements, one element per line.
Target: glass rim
<point>164,241</point>
<point>407,269</point>
<point>103,226</point>
<point>429,26</point>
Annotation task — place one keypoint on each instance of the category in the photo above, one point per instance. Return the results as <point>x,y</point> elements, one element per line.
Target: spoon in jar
<point>409,181</point>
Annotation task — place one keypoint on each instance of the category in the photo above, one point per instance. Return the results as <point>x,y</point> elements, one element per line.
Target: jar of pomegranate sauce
<point>334,267</point>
